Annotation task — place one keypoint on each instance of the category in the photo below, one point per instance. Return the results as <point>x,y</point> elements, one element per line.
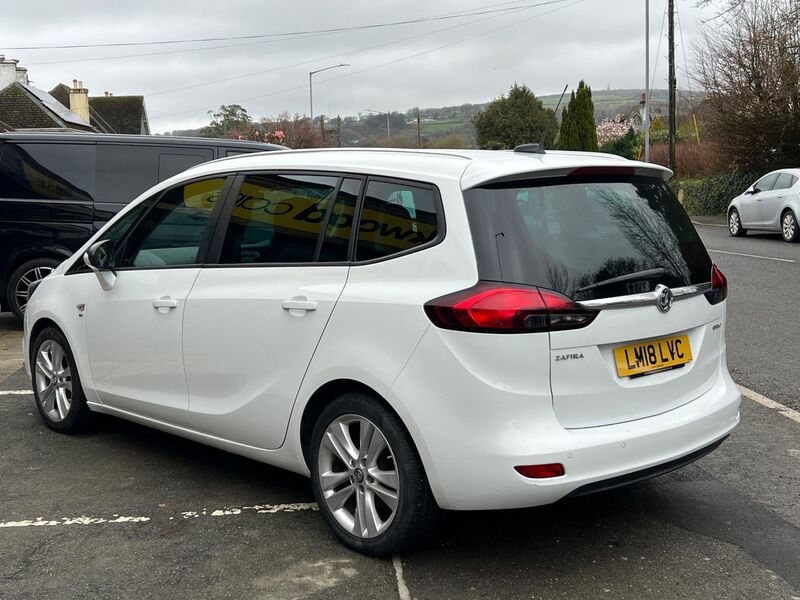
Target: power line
<point>325,58</point>
<point>441,17</point>
<point>381,65</point>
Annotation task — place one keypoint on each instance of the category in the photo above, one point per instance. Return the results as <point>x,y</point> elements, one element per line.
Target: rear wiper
<point>637,276</point>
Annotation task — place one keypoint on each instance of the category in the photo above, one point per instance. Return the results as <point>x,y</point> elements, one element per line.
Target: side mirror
<point>100,256</point>
<point>100,259</point>
<point>753,191</point>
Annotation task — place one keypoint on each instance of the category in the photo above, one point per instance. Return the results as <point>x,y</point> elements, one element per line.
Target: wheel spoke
<point>376,447</point>
<point>366,435</point>
<point>360,516</point>
<point>386,478</point>
<point>43,367</point>
<point>336,500</point>
<point>388,496</point>
<point>48,397</point>
<point>67,385</point>
<point>62,404</point>
<point>337,440</point>
<point>331,480</point>
<point>58,359</point>
<point>371,519</point>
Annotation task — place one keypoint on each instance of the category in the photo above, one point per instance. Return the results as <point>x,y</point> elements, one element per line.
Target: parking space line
<point>219,512</point>
<point>402,588</point>
<point>769,403</point>
<point>786,260</point>
<point>15,392</point>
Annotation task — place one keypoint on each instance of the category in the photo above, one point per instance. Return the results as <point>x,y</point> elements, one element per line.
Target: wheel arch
<point>323,396</point>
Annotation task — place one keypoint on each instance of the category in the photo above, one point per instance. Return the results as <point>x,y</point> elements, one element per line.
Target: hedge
<point>711,195</point>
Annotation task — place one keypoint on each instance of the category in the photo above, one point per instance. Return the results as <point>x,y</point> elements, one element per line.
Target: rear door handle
<point>298,305</point>
<point>780,195</point>
<point>165,304</point>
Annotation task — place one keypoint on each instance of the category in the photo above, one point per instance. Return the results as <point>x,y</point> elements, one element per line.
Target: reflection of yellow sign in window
<point>295,214</point>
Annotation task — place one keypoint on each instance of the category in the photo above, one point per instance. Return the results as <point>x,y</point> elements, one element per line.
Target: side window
<point>172,232</point>
<point>340,225</point>
<point>767,183</point>
<point>47,171</point>
<point>124,172</point>
<point>277,219</point>
<point>395,217</point>
<point>172,163</point>
<point>784,182</point>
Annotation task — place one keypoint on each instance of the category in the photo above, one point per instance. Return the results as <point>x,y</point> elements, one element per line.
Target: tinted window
<point>170,164</point>
<point>340,224</point>
<point>569,237</point>
<point>47,171</point>
<point>124,172</point>
<point>785,181</point>
<point>395,217</point>
<point>767,183</point>
<point>172,232</point>
<point>277,219</point>
<point>117,231</point>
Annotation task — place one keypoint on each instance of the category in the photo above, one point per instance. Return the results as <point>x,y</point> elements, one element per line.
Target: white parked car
<point>417,330</point>
<point>771,204</point>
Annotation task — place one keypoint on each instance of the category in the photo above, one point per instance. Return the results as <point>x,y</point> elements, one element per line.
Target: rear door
<point>255,314</point>
<point>771,205</point>
<point>611,244</point>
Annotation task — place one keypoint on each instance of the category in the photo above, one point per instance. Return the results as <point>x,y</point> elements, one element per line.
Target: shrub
<point>711,195</point>
<point>693,160</point>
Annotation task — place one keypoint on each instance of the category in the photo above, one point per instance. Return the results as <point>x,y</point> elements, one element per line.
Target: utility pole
<point>419,132</point>
<point>646,111</point>
<point>311,87</point>
<point>672,83</point>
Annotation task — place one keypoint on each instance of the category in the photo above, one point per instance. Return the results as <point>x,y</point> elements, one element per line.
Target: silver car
<point>771,204</point>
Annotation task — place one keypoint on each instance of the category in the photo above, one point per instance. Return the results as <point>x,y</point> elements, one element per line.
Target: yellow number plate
<point>652,355</point>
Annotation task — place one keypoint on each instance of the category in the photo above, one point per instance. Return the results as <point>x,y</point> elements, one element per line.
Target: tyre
<point>789,227</point>
<point>735,224</point>
<point>368,479</point>
<point>21,280</point>
<point>56,385</point>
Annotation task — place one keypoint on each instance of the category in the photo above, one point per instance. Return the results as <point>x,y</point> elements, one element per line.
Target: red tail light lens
<point>541,471</point>
<point>502,308</point>
<point>719,286</point>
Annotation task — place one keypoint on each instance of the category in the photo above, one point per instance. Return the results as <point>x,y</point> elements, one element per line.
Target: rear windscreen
<point>574,235</point>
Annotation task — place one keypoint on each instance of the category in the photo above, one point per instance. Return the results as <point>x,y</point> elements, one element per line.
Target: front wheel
<point>735,224</point>
<point>368,479</point>
<point>789,227</point>
<point>56,385</point>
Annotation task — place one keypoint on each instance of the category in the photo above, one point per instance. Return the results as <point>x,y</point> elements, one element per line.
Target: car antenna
<point>539,148</point>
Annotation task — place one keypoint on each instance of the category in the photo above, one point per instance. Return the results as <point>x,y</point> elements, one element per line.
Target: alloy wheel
<point>789,226</point>
<point>733,222</point>
<point>29,277</point>
<point>358,476</point>
<point>53,380</point>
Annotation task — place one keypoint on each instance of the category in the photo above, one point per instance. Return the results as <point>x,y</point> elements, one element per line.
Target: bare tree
<point>749,65</point>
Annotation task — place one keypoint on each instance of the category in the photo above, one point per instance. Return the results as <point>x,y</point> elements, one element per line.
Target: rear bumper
<point>472,432</point>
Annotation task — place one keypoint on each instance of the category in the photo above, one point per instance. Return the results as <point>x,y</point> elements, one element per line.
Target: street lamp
<point>380,112</point>
<point>310,89</point>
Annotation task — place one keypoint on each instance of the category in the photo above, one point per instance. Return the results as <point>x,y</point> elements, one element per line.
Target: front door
<point>134,329</point>
<point>752,215</point>
<point>253,320</point>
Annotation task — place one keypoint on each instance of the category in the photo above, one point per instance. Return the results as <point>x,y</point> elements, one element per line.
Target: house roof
<point>61,93</point>
<point>26,107</point>
<point>124,114</point>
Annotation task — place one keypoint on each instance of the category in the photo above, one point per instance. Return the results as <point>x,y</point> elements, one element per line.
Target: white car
<point>417,330</point>
<point>771,204</point>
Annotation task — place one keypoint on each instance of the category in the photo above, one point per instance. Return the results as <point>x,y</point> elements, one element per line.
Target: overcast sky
<point>434,63</point>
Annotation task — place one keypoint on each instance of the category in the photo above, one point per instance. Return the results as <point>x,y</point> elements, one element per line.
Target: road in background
<point>763,302</point>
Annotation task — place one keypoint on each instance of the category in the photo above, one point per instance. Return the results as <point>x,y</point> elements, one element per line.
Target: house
<point>25,107</point>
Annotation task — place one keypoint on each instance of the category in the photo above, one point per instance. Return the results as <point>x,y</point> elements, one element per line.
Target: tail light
<point>719,286</point>
<point>503,308</point>
<point>541,471</point>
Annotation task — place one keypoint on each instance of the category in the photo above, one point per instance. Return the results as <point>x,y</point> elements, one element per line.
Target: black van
<point>57,189</point>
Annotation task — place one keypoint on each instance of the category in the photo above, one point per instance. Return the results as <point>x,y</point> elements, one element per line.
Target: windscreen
<point>586,238</point>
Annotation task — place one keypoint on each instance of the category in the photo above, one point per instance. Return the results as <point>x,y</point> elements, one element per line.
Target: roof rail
<point>530,148</point>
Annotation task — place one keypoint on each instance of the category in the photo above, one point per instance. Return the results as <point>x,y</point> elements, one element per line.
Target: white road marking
<point>769,403</point>
<point>786,260</point>
<point>402,588</point>
<point>221,512</point>
<point>709,224</point>
<point>16,393</point>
